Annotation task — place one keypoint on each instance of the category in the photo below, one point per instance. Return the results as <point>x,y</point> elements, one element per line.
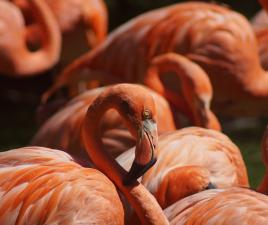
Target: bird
<point>223,206</point>
<point>191,160</point>
<point>83,22</point>
<point>218,39</point>
<point>45,186</point>
<point>16,60</point>
<point>194,101</point>
<point>229,206</point>
<point>63,129</point>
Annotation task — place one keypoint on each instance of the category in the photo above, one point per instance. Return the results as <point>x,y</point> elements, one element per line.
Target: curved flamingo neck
<point>96,19</point>
<point>28,62</point>
<point>145,205</point>
<point>195,87</point>
<point>258,85</point>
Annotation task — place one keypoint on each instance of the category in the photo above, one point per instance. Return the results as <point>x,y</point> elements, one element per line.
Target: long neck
<point>253,77</point>
<point>28,63</point>
<point>195,86</point>
<point>145,205</point>
<point>257,86</point>
<point>74,73</point>
<point>95,18</point>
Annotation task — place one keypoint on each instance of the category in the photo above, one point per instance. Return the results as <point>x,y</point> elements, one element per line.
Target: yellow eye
<point>146,114</point>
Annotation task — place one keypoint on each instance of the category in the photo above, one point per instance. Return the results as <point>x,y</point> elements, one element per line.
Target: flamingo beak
<point>144,154</point>
<point>210,186</point>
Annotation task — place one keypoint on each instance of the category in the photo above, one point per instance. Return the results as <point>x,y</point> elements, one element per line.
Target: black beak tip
<point>136,171</point>
<point>210,186</point>
<point>128,181</point>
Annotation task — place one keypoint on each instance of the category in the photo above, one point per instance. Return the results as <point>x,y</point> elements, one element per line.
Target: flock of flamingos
<point>123,155</point>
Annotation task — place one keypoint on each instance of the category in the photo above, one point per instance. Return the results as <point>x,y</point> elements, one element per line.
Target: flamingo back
<point>193,146</point>
<point>220,207</point>
<point>54,190</point>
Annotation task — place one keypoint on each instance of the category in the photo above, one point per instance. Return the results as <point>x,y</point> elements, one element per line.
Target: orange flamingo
<point>44,186</point>
<point>63,130</point>
<point>195,85</point>
<point>15,58</point>
<point>83,24</point>
<point>220,40</point>
<point>230,206</point>
<point>191,160</point>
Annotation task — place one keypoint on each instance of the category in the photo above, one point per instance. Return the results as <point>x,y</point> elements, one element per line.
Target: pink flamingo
<point>63,130</point>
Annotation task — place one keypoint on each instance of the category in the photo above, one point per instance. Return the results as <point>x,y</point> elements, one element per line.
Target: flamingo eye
<point>146,114</point>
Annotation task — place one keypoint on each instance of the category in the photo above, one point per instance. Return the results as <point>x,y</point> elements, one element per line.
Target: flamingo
<point>230,206</point>
<point>227,206</point>
<point>218,39</point>
<point>63,130</point>
<point>195,85</point>
<point>83,22</point>
<point>64,190</point>
<point>191,160</point>
<point>15,58</point>
<point>44,186</point>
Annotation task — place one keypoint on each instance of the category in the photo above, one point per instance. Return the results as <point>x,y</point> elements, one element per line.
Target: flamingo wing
<point>220,207</point>
<point>54,190</point>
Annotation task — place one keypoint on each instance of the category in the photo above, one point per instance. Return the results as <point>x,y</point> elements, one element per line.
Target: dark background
<point>19,98</point>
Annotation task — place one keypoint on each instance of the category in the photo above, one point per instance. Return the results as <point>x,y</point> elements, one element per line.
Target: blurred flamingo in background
<point>83,23</point>
<point>218,39</point>
<point>15,58</point>
<point>194,101</point>
<point>196,90</point>
<point>63,130</point>
<point>45,186</point>
<point>191,160</point>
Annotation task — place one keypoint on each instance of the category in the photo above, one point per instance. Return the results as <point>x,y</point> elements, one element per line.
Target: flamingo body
<point>189,160</point>
<point>230,206</point>
<point>139,114</point>
<point>83,22</point>
<point>218,39</point>
<point>45,186</point>
<point>15,58</point>
<point>63,130</point>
